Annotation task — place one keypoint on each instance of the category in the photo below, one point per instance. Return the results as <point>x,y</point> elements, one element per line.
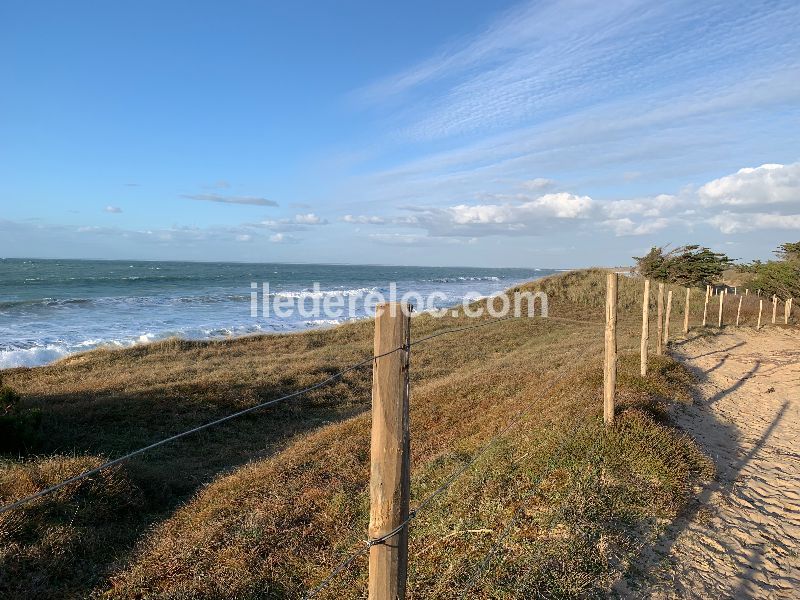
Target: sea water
<point>52,308</point>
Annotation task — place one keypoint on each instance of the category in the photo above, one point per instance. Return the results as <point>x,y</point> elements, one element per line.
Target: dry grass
<point>265,506</point>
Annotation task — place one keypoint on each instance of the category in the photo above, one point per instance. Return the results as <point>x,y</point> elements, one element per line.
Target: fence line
<point>324,382</point>
<point>400,528</point>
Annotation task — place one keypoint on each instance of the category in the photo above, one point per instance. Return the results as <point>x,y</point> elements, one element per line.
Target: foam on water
<point>50,309</point>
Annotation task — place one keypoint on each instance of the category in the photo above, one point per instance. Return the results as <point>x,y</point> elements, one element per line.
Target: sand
<point>741,538</point>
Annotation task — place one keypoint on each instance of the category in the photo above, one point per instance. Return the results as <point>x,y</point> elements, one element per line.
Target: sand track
<point>741,538</point>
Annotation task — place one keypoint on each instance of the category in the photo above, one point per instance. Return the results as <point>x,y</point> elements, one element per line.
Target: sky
<point>535,134</point>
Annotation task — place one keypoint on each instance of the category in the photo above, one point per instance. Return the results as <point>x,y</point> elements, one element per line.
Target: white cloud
<point>364,219</point>
<point>522,214</point>
<point>645,207</point>
<point>113,209</point>
<point>247,200</point>
<point>539,184</point>
<point>626,226</point>
<point>753,187</point>
<point>547,56</point>
<point>295,223</point>
<point>731,223</point>
<point>525,218</point>
<point>398,239</point>
<point>308,219</point>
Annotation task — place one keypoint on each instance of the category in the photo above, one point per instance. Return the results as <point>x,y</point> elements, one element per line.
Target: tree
<point>686,265</point>
<point>780,277</point>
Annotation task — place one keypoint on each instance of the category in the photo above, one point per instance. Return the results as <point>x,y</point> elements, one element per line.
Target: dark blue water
<point>51,308</point>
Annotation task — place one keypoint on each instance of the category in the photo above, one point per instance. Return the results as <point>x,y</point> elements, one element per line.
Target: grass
<point>267,505</point>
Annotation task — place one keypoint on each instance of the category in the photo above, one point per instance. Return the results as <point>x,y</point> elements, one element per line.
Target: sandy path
<point>742,537</point>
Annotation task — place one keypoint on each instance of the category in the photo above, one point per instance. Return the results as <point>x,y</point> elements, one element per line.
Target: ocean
<point>52,308</point>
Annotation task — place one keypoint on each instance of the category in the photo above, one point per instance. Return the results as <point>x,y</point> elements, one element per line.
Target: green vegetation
<point>780,277</point>
<point>267,505</point>
<point>690,265</point>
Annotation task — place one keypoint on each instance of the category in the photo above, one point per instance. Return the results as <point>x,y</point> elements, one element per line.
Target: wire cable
<point>428,499</point>
<point>116,461</point>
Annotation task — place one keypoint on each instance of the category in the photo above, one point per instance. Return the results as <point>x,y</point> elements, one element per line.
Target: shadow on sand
<point>723,483</point>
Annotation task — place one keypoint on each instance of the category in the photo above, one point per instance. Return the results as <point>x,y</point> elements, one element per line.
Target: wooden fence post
<point>746,291</point>
<point>739,310</point>
<point>666,320</point>
<point>705,306</point>
<point>760,310</point>
<point>660,319</point>
<point>645,326</point>
<point>389,454</point>
<point>786,307</point>
<point>610,367</point>
<point>686,312</point>
<point>774,307</point>
<point>721,299</point>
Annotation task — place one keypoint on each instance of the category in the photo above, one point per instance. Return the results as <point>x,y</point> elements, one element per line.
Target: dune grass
<point>267,505</point>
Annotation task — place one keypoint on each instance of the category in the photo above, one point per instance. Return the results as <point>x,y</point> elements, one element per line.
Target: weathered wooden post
<point>686,312</point>
<point>746,291</point>
<point>721,300</point>
<point>645,327</point>
<point>739,310</point>
<point>705,306</point>
<point>760,310</point>
<point>660,319</point>
<point>666,320</point>
<point>774,307</point>
<point>786,308</point>
<point>389,453</point>
<point>610,366</point>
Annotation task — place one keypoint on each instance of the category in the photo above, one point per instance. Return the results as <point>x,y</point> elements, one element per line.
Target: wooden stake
<point>686,312</point>
<point>747,291</point>
<point>666,319</point>
<point>645,326</point>
<point>389,454</point>
<point>610,367</point>
<point>705,306</point>
<point>760,310</point>
<point>660,321</point>
<point>774,307</point>
<point>721,299</point>
<point>786,306</point>
<point>739,310</point>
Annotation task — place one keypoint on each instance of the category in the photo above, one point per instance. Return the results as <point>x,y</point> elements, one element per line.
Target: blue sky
<point>549,134</point>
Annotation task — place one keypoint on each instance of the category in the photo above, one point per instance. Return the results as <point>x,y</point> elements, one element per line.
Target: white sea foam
<point>303,294</point>
<point>32,357</point>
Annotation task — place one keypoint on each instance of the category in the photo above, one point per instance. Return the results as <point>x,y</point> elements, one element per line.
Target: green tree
<point>780,277</point>
<point>687,265</point>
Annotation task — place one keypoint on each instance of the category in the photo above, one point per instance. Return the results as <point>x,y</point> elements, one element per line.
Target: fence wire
<point>172,438</point>
<point>494,440</point>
